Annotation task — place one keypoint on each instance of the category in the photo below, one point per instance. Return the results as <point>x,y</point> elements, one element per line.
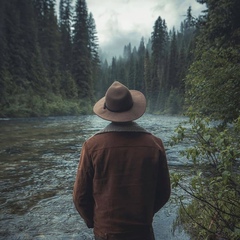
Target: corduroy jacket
<point>122,181</point>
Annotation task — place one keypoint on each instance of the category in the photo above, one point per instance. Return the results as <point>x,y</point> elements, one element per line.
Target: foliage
<point>38,74</point>
<point>44,55</point>
<point>27,105</point>
<point>213,100</point>
<point>213,84</point>
<point>65,24</point>
<point>214,212</point>
<point>157,67</point>
<point>81,59</point>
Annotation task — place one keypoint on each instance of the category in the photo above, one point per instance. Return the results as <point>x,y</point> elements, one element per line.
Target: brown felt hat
<point>120,104</point>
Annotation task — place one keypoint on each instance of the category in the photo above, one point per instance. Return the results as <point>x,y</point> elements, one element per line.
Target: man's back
<point>130,180</point>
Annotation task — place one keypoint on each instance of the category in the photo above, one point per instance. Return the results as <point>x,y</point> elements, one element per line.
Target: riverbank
<point>50,106</point>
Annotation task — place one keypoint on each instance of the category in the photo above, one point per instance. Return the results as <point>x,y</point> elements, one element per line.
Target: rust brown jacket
<point>122,181</point>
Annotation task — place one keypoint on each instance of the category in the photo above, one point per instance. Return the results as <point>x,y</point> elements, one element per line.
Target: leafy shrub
<point>30,105</point>
<point>214,212</point>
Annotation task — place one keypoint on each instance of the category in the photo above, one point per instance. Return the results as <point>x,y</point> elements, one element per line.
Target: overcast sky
<point>119,22</point>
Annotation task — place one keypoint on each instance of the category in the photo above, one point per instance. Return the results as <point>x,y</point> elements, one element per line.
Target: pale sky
<point>120,22</point>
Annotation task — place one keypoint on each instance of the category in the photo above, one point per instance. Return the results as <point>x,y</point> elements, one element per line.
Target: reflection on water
<point>38,160</point>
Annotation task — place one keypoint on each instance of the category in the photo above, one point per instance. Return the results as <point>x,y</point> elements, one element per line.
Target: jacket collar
<point>123,127</point>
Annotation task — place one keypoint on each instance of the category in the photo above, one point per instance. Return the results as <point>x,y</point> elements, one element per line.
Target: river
<point>39,158</point>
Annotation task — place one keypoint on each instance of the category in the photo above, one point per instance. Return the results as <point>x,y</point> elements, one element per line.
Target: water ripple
<point>39,158</point>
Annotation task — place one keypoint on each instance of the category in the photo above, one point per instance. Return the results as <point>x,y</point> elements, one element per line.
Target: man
<point>122,178</point>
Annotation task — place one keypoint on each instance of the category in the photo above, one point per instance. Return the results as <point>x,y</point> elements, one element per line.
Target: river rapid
<point>38,163</point>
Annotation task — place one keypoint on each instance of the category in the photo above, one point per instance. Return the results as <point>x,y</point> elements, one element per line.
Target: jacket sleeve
<point>82,191</point>
<point>163,189</point>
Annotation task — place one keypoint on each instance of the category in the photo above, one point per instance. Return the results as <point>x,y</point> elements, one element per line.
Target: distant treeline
<point>158,68</point>
<point>50,64</point>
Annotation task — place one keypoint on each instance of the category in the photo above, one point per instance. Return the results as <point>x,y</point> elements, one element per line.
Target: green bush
<point>30,105</point>
<point>214,191</point>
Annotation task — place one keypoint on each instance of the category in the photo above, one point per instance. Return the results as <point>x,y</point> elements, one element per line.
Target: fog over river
<point>38,163</point>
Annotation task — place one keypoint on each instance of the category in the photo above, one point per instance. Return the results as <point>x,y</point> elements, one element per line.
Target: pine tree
<point>140,85</point>
<point>159,45</point>
<point>147,76</point>
<point>3,30</point>
<point>173,81</point>
<point>49,41</point>
<point>81,67</point>
<point>113,68</point>
<point>93,39</point>
<point>132,71</point>
<point>5,81</point>
<point>127,51</point>
<point>53,49</point>
<point>65,22</point>
<point>104,79</point>
<point>95,61</point>
<point>213,81</point>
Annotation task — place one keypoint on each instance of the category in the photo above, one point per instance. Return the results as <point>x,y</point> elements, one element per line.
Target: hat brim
<point>137,110</point>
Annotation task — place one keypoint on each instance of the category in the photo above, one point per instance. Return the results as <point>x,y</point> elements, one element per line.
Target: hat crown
<point>118,98</point>
<point>120,104</point>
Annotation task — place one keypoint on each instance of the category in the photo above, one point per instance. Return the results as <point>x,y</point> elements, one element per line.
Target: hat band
<point>120,110</point>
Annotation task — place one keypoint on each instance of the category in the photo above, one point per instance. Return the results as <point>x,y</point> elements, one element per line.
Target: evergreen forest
<point>212,101</point>
<point>50,63</point>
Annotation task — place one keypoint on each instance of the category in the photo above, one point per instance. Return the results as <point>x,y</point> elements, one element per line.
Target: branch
<point>200,225</point>
<point>208,203</point>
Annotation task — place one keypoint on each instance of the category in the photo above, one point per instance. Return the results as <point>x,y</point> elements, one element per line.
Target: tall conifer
<point>65,22</point>
<point>159,42</point>
<point>140,85</point>
<point>213,81</point>
<point>93,45</point>
<point>81,67</point>
<point>173,81</point>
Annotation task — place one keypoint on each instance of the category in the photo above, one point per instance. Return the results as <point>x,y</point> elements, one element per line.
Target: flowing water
<point>38,163</point>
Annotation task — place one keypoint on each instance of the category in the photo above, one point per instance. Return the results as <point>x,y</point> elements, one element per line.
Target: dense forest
<point>210,203</point>
<point>50,63</point>
<point>48,66</point>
